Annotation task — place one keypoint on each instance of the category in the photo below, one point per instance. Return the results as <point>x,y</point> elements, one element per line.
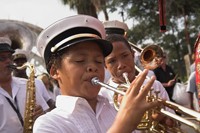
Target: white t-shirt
<point>9,121</point>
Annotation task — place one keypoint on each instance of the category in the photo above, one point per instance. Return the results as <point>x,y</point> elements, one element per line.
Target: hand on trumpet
<point>134,105</point>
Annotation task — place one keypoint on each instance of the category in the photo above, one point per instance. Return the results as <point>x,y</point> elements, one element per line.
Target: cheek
<point>112,69</point>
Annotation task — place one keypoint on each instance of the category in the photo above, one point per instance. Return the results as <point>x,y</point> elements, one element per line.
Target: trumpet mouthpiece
<point>125,74</point>
<point>94,81</point>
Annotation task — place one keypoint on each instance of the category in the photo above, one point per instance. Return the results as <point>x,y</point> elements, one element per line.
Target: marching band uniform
<point>9,121</point>
<point>12,106</point>
<point>19,58</point>
<point>73,114</point>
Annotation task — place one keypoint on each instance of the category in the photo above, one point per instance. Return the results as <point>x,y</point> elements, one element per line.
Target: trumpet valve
<point>156,94</point>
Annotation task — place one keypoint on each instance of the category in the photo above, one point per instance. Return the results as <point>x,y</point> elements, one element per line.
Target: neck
<point>93,104</point>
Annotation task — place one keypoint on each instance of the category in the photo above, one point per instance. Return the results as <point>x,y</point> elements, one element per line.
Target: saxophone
<point>30,97</point>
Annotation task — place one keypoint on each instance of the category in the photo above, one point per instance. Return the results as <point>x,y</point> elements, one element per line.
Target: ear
<point>53,72</point>
<point>133,53</point>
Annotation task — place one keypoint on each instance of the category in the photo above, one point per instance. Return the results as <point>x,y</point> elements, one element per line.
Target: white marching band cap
<point>20,53</point>
<point>115,27</point>
<point>69,31</point>
<point>5,45</point>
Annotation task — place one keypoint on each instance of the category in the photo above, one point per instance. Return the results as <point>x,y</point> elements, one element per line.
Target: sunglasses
<point>4,58</point>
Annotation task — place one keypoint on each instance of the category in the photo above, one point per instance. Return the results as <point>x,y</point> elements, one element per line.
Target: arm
<point>169,83</point>
<point>191,100</point>
<point>43,91</point>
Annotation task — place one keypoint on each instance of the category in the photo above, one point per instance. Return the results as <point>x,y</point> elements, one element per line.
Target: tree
<point>89,7</point>
<point>183,18</point>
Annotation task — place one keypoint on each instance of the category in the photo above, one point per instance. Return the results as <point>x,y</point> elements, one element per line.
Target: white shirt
<point>9,121</point>
<point>56,91</point>
<point>42,89</point>
<point>74,115</point>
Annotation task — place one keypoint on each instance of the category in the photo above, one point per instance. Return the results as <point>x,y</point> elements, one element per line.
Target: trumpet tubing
<point>147,123</point>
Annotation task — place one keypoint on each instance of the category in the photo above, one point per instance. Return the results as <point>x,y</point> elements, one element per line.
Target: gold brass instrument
<point>151,125</point>
<point>150,56</point>
<point>30,98</point>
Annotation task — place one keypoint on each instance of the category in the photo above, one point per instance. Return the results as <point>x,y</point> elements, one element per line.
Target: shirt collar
<point>15,85</point>
<point>68,103</point>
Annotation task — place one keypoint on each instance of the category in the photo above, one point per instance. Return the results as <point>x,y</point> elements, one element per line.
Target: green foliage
<point>182,16</point>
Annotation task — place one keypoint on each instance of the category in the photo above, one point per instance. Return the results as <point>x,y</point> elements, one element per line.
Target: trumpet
<point>150,56</point>
<point>149,124</point>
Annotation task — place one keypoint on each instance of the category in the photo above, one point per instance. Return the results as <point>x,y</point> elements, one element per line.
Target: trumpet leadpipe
<point>196,127</point>
<point>181,109</point>
<point>95,81</point>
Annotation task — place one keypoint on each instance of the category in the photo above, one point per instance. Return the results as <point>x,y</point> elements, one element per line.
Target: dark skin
<point>6,78</point>
<point>87,62</point>
<point>22,74</point>
<point>118,62</point>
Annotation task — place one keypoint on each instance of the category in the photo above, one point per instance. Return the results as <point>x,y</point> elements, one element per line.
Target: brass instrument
<point>150,56</point>
<point>30,98</point>
<point>23,36</point>
<point>151,125</point>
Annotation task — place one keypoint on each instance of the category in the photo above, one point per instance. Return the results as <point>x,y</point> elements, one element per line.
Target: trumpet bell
<point>151,57</point>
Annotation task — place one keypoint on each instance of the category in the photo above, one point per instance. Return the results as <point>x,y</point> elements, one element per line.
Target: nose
<point>121,65</point>
<point>6,58</point>
<point>91,68</point>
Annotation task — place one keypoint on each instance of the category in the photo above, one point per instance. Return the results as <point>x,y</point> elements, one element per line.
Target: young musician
<point>121,60</point>
<point>74,49</point>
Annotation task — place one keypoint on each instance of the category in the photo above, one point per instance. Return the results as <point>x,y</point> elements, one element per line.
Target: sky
<point>40,12</point>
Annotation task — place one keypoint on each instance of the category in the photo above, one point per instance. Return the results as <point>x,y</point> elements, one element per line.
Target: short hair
<point>118,38</point>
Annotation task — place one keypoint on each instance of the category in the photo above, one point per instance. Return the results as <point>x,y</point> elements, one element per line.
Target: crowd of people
<point>76,50</point>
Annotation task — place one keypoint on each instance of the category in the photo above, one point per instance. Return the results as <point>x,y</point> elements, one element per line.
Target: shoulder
<point>45,123</point>
<point>38,81</point>
<point>39,84</point>
<point>51,122</point>
<point>19,80</point>
<point>158,85</point>
<point>157,70</point>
